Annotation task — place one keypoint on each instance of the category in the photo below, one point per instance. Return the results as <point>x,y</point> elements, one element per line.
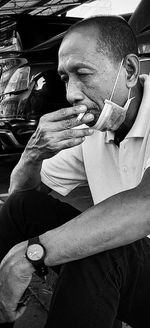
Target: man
<point>107,264</point>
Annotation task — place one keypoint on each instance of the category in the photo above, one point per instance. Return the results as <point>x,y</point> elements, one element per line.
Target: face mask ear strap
<point>116,80</point>
<point>126,106</point>
<point>129,93</point>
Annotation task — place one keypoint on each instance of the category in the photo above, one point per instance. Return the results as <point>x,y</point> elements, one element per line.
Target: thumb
<point>20,311</point>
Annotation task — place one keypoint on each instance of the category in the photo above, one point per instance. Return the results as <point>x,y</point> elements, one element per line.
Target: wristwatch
<point>35,254</point>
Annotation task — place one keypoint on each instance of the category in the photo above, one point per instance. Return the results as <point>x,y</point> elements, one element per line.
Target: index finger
<point>63,113</point>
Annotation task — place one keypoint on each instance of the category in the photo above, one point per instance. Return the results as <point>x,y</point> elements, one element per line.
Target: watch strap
<point>34,240</point>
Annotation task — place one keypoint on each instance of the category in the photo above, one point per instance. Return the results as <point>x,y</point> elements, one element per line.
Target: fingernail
<point>90,117</point>
<point>83,107</point>
<point>91,131</point>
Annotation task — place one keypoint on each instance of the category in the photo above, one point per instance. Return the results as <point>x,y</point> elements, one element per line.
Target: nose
<point>74,92</point>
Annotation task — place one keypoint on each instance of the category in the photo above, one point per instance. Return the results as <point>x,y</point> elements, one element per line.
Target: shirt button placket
<point>125,169</point>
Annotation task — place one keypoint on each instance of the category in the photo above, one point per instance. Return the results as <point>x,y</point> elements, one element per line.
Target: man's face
<point>89,75</point>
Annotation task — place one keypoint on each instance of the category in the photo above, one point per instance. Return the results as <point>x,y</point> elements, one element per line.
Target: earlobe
<point>132,66</point>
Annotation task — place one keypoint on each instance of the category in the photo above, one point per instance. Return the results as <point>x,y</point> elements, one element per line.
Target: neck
<point>125,127</point>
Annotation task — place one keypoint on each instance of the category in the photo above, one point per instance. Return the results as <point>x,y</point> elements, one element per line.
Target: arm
<point>54,133</point>
<point>117,221</point>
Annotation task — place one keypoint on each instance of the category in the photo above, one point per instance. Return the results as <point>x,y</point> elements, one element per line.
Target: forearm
<point>115,222</point>
<point>26,174</point>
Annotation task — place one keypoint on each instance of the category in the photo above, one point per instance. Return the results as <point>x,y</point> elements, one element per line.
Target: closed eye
<point>83,71</point>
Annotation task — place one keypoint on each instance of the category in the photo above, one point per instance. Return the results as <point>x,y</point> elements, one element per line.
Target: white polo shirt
<point>107,168</point>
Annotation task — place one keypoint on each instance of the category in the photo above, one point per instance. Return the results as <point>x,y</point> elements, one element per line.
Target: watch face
<point>35,252</point>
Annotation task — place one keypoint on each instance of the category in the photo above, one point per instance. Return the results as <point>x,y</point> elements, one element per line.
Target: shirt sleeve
<point>65,171</point>
<point>146,155</point>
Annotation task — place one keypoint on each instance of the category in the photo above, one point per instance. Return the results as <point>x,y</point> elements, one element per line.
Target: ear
<point>132,66</point>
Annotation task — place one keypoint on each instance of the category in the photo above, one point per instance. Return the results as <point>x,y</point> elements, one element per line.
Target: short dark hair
<point>115,35</point>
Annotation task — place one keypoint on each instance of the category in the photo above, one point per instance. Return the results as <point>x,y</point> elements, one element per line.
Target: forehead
<point>80,42</point>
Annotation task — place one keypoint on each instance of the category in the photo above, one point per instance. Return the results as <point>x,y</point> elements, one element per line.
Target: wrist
<point>35,254</point>
<point>31,157</point>
<point>45,240</point>
<point>26,174</point>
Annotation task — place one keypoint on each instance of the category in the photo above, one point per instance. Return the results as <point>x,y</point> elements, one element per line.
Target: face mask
<point>112,115</point>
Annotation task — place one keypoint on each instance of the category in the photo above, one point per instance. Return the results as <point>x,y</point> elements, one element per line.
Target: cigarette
<point>79,117</point>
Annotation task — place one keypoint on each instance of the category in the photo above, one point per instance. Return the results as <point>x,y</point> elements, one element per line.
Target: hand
<point>15,276</point>
<point>55,132</point>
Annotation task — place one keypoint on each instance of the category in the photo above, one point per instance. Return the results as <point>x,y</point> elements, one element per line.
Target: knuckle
<point>85,132</point>
<point>46,116</point>
<point>10,266</point>
<point>42,131</point>
<point>64,112</point>
<point>68,124</point>
<point>17,270</point>
<point>71,142</point>
<point>20,272</point>
<point>70,133</point>
<point>75,109</point>
<point>46,138</point>
<point>44,121</point>
<point>43,118</point>
<point>14,271</point>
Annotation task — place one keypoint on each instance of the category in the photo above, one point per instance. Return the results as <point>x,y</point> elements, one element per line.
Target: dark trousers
<point>92,292</point>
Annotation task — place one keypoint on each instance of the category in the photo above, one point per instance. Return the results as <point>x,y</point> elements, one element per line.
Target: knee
<point>26,196</point>
<point>19,197</point>
<point>20,203</point>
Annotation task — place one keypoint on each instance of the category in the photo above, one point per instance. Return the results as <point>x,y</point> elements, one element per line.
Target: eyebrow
<point>75,66</point>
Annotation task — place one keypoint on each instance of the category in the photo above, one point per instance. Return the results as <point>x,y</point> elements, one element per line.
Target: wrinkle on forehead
<point>77,49</point>
<point>83,42</point>
<point>76,38</point>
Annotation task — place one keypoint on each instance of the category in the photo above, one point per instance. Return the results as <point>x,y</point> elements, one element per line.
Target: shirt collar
<point>142,120</point>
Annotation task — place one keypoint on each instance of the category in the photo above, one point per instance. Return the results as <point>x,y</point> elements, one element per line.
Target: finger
<point>87,118</point>
<point>71,143</point>
<point>70,123</point>
<point>20,311</point>
<point>73,134</point>
<point>65,113</point>
<point>73,139</point>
